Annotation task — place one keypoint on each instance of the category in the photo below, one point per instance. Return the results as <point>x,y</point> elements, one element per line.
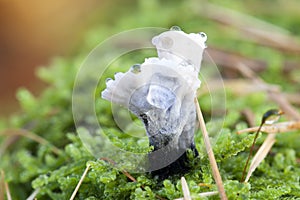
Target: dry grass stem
<point>8,195</point>
<point>239,87</point>
<point>244,87</point>
<point>6,187</point>
<point>33,195</point>
<point>275,128</point>
<point>274,94</point>
<point>204,194</point>
<point>261,154</point>
<point>123,171</point>
<point>293,98</point>
<point>80,182</point>
<point>211,156</point>
<point>129,176</point>
<point>240,20</point>
<point>254,29</point>
<point>249,115</point>
<point>283,103</point>
<point>2,185</point>
<point>207,194</point>
<point>284,43</point>
<point>32,136</point>
<point>7,142</point>
<point>185,189</point>
<point>228,59</point>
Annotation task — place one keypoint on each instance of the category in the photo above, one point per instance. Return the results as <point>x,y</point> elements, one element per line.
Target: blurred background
<point>254,43</point>
<point>33,32</point>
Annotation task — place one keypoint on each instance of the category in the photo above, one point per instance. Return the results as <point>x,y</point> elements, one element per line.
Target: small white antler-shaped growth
<point>161,90</point>
<point>177,51</point>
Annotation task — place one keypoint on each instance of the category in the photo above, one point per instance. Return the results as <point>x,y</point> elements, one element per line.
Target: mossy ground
<point>29,165</point>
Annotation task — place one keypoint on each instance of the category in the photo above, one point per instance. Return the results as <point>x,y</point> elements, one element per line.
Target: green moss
<point>29,165</point>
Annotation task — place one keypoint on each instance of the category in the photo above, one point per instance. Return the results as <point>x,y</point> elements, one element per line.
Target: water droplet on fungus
<point>203,35</point>
<point>136,68</point>
<point>175,28</point>
<point>107,80</point>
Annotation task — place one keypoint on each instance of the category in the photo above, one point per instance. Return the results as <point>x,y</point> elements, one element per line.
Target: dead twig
<point>269,117</point>
<point>240,87</point>
<point>260,155</point>
<point>86,171</point>
<point>128,175</point>
<point>185,189</point>
<point>123,171</point>
<point>211,156</point>
<point>244,87</point>
<point>8,195</point>
<point>293,98</point>
<point>6,187</point>
<point>249,115</point>
<point>226,58</point>
<point>254,29</point>
<point>33,195</point>
<point>80,182</point>
<point>275,128</point>
<point>2,186</point>
<point>204,194</point>
<point>274,94</point>
<point>283,103</point>
<point>7,143</point>
<point>32,136</point>
<point>250,153</point>
<point>207,194</point>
